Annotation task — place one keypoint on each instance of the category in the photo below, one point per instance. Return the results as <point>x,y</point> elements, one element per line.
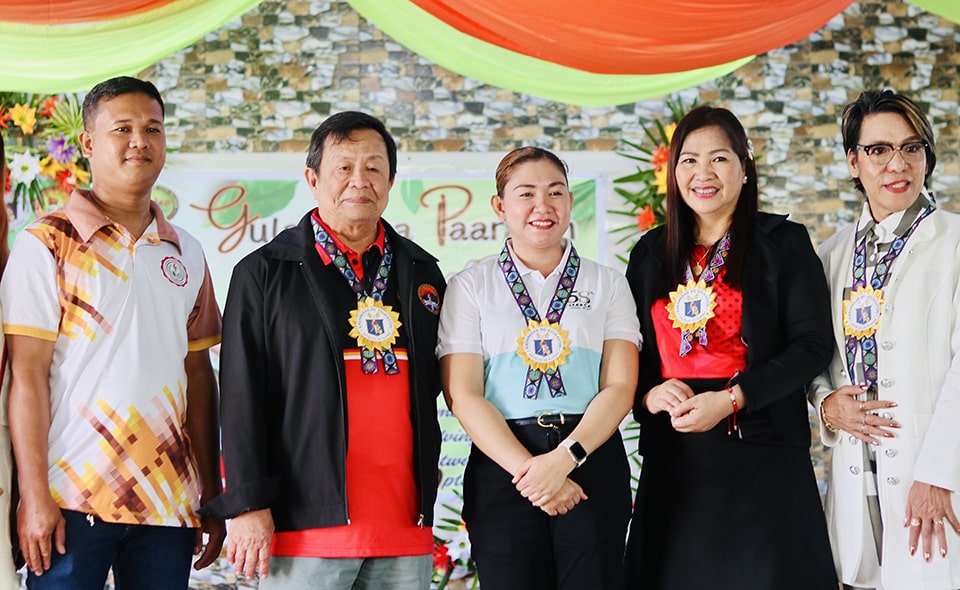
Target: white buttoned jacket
<point>918,344</point>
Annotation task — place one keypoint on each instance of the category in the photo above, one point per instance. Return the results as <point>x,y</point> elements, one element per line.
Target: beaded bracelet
<point>732,418</point>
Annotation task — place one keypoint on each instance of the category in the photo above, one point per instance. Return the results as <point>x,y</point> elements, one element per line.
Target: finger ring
<point>914,521</point>
<point>938,522</point>
<point>861,406</point>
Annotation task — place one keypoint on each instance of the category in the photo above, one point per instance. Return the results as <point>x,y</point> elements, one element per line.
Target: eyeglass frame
<point>893,149</point>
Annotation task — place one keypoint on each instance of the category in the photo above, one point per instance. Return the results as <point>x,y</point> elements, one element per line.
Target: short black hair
<point>339,127</point>
<point>112,88</point>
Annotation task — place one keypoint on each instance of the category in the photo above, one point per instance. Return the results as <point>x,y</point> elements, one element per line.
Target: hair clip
<point>749,149</point>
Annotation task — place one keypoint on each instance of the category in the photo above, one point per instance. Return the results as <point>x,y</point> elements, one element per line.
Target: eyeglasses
<point>913,152</point>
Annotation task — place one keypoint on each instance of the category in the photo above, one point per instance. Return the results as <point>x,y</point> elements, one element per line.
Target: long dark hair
<point>681,222</point>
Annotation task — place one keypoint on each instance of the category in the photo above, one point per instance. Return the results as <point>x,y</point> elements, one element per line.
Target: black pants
<point>517,546</point>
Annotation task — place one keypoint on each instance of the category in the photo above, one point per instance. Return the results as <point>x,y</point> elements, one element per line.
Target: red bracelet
<point>732,418</point>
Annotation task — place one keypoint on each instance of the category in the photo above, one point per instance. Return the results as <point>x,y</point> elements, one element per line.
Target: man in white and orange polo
<point>108,314</point>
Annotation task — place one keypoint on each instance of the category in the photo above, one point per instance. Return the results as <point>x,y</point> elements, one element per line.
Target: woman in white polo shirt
<point>538,356</point>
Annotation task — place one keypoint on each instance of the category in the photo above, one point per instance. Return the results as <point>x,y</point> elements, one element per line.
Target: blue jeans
<point>143,557</point>
<point>347,573</point>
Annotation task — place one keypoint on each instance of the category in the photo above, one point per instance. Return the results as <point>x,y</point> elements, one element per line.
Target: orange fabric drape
<point>636,36</point>
<point>64,12</point>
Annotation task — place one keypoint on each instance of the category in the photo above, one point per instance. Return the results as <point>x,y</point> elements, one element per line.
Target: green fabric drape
<point>948,9</point>
<point>69,58</point>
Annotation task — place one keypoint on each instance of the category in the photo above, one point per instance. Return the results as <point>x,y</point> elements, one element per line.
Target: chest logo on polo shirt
<point>580,300</point>
<point>174,270</point>
<point>429,297</point>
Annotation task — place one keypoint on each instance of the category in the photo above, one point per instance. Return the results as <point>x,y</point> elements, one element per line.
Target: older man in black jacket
<point>329,384</point>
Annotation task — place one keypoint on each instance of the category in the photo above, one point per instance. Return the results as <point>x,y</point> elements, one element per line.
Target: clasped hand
<point>689,412</point>
<point>543,481</point>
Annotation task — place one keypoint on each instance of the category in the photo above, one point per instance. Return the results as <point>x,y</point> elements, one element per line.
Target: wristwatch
<point>576,450</point>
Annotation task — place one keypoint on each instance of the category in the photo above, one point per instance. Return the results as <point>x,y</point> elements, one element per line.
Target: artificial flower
<point>458,545</point>
<point>24,117</point>
<point>660,156</point>
<point>61,149</point>
<point>43,151</point>
<point>441,556</point>
<point>668,132</point>
<point>646,218</point>
<point>24,168</point>
<point>66,181</point>
<point>660,180</point>
<point>48,106</point>
<point>646,204</point>
<point>81,176</point>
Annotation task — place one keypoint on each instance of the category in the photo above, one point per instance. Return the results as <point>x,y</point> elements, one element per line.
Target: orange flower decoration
<point>660,156</point>
<point>646,218</point>
<point>46,108</point>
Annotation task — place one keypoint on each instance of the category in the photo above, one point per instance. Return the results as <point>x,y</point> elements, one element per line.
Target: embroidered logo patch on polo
<point>580,300</point>
<point>174,270</point>
<point>429,298</point>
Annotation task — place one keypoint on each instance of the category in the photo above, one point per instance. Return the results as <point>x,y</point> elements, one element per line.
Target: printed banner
<point>232,213</point>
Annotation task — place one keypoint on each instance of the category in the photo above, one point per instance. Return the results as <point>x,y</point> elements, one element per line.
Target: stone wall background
<point>266,80</point>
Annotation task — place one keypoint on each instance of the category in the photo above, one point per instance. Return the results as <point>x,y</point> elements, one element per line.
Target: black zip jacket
<point>282,382</point>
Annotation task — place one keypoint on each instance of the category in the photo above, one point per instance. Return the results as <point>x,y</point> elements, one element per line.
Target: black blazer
<point>786,327</point>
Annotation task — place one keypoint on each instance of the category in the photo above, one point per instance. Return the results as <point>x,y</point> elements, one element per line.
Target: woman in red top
<point>734,307</point>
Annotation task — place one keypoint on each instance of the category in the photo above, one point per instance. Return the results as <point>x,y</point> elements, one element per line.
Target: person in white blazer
<point>889,404</point>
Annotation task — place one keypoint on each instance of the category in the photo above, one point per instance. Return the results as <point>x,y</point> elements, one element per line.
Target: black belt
<point>548,420</point>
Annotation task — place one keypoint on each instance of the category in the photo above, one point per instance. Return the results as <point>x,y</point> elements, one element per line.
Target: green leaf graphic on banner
<point>584,198</point>
<point>263,198</point>
<point>410,191</point>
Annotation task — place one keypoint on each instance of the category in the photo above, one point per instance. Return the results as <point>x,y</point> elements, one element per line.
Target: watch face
<point>578,452</point>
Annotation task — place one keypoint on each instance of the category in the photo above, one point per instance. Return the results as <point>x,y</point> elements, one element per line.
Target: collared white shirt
<point>481,316</point>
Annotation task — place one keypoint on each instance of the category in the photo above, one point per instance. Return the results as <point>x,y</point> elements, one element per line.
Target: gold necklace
<point>698,265</point>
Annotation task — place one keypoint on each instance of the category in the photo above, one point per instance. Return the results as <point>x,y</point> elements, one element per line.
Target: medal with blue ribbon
<point>863,308</point>
<point>543,344</point>
<point>374,325</point>
<point>691,304</point>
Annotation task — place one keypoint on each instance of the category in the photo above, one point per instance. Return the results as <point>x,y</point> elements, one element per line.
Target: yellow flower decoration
<point>668,131</point>
<point>82,176</point>
<point>660,180</point>
<point>24,117</point>
<point>50,167</point>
